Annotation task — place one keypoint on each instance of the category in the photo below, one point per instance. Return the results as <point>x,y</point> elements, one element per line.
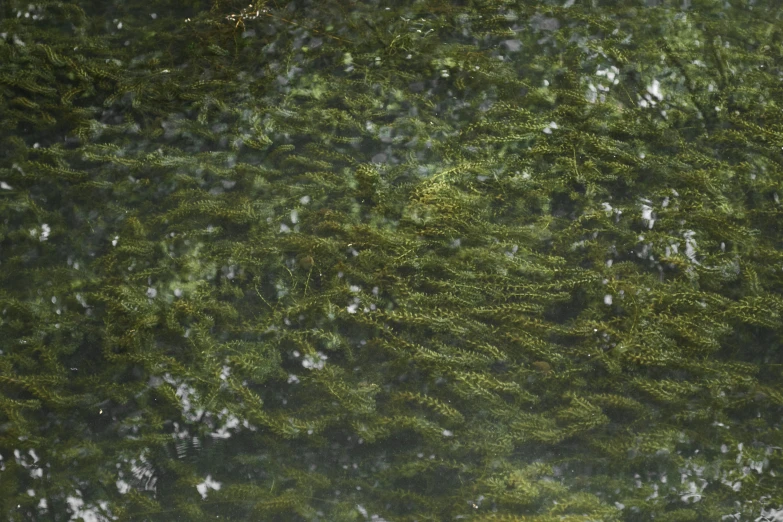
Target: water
<point>370,261</point>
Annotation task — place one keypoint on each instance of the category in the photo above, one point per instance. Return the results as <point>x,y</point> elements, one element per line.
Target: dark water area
<point>405,261</point>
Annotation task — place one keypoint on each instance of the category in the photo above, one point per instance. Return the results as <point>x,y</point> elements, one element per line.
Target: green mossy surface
<point>424,261</point>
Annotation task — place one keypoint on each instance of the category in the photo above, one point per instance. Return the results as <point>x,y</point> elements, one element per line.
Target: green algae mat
<point>323,260</point>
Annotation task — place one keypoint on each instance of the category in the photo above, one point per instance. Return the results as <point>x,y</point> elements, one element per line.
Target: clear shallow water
<point>421,261</point>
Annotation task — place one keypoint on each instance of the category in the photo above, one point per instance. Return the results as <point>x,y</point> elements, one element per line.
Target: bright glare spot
<point>655,89</point>
<point>207,485</point>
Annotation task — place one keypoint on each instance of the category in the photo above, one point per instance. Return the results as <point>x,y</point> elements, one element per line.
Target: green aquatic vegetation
<point>426,261</point>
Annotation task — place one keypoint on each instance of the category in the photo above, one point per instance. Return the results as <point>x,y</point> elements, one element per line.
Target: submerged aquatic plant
<point>432,261</point>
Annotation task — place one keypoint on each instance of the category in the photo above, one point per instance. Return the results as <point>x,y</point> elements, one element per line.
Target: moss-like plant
<point>327,260</point>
